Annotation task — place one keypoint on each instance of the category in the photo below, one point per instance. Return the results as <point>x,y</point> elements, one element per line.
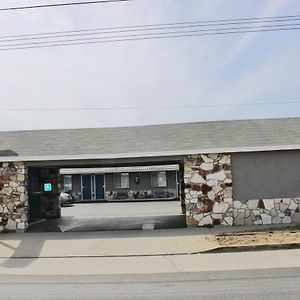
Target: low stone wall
<point>267,211</point>
<point>208,190</point>
<point>13,196</point>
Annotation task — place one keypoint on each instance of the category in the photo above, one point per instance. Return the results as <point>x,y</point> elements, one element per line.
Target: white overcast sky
<point>241,68</point>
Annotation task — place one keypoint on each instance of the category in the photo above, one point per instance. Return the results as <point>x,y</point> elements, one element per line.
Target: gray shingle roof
<point>155,140</point>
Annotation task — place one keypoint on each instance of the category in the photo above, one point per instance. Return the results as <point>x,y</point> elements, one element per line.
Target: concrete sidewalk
<point>143,243</point>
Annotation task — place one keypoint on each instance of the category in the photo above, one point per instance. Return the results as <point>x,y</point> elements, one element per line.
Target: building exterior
<point>121,183</point>
<point>225,173</point>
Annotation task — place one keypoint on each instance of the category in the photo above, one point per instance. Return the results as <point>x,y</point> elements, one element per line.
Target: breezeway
<point>114,216</point>
<point>122,209</point>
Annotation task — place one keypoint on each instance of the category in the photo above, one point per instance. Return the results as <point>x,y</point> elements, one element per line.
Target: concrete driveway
<point>122,209</point>
<point>115,216</point>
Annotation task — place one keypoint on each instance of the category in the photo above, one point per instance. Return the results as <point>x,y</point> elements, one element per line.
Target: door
<point>34,194</point>
<point>99,182</point>
<point>87,187</point>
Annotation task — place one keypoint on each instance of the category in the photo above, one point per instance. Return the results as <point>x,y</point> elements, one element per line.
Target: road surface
<point>246,284</point>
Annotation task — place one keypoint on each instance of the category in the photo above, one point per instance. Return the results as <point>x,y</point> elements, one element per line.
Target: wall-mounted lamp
<point>137,179</point>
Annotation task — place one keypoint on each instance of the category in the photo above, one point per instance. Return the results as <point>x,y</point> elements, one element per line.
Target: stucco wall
<point>266,187</point>
<point>266,175</point>
<point>13,196</point>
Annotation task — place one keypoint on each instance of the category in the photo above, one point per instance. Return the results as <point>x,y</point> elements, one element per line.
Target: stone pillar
<point>13,196</point>
<point>50,199</point>
<point>208,189</point>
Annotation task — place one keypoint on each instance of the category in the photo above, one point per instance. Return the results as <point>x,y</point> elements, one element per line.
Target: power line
<point>148,31</point>
<point>112,40</point>
<point>151,26</point>
<point>185,25</point>
<point>149,107</point>
<point>61,4</point>
<point>153,34</point>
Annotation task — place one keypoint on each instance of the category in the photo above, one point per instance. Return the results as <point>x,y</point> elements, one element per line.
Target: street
<point>78,267</point>
<point>245,284</point>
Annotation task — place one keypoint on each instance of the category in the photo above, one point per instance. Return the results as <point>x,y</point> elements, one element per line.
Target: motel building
<point>121,183</point>
<point>222,173</point>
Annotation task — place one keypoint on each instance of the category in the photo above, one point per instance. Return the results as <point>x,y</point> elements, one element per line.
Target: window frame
<point>68,184</point>
<point>157,178</point>
<point>116,186</point>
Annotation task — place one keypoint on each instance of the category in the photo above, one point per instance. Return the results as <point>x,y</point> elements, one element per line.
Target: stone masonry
<point>13,196</point>
<point>208,190</point>
<point>267,211</point>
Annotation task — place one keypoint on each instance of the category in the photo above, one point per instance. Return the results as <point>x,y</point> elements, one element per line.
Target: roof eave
<point>150,154</point>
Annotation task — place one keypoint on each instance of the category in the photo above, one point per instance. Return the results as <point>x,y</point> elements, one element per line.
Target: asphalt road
<point>247,284</point>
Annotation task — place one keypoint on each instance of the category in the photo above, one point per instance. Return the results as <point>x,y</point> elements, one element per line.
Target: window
<point>121,180</point>
<point>67,183</point>
<point>158,179</point>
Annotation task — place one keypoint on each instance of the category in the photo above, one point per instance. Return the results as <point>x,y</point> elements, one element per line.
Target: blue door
<point>99,182</point>
<point>87,187</point>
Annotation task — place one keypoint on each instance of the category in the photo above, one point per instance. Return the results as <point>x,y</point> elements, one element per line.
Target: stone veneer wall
<point>208,189</point>
<point>13,196</point>
<point>267,211</point>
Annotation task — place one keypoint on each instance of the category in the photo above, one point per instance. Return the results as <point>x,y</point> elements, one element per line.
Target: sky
<point>213,70</point>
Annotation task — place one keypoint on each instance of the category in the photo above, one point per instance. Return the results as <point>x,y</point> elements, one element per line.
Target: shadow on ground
<point>69,224</point>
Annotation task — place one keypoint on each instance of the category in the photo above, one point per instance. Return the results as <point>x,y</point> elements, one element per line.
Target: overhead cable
<point>156,26</point>
<point>63,4</point>
<point>112,39</point>
<point>149,107</point>
<point>145,28</point>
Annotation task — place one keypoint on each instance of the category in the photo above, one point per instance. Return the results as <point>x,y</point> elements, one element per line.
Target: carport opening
<point>106,198</point>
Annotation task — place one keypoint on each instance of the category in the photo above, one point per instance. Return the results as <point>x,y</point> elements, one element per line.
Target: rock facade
<point>208,189</point>
<point>13,196</point>
<point>267,211</point>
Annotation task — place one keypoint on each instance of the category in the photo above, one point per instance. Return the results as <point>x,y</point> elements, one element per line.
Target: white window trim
<point>159,186</point>
<point>121,187</point>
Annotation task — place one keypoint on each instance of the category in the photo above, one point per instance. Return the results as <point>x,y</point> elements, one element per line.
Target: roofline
<point>151,154</point>
<point>150,125</point>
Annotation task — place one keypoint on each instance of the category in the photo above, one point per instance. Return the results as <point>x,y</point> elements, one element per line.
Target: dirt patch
<point>259,238</point>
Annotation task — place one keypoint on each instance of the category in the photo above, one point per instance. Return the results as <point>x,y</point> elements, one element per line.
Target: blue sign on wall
<point>47,187</point>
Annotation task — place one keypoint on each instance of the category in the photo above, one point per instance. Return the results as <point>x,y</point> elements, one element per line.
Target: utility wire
<point>61,4</point>
<point>148,107</point>
<point>112,40</point>
<point>164,25</point>
<point>107,37</point>
<point>92,32</point>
